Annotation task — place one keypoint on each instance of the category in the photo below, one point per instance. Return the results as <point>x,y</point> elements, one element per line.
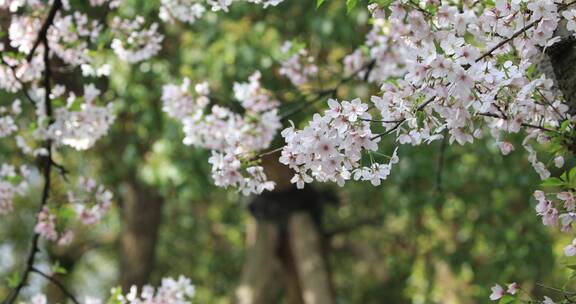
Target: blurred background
<point>449,222</point>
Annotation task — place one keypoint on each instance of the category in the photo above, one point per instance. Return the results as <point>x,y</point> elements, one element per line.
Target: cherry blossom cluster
<point>458,72</point>
<point>133,42</point>
<point>558,209</point>
<point>49,228</point>
<point>190,11</point>
<point>299,65</point>
<point>91,201</point>
<point>498,291</point>
<point>70,36</point>
<point>179,291</point>
<point>110,3</point>
<point>12,182</point>
<point>81,122</point>
<point>173,291</point>
<point>512,293</point>
<point>330,147</point>
<point>232,137</point>
<point>7,118</point>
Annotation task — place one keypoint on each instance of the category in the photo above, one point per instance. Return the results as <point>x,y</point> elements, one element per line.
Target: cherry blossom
<point>299,66</point>
<point>497,292</point>
<point>179,291</point>
<point>173,291</point>
<point>330,148</point>
<point>234,138</point>
<point>91,202</point>
<point>190,11</point>
<point>134,43</point>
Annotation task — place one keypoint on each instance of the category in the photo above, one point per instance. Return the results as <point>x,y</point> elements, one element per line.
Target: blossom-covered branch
<point>46,160</point>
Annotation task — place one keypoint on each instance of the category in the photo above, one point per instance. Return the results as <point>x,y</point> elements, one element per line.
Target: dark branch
<point>517,33</point>
<point>47,162</point>
<point>57,5</point>
<point>59,284</point>
<point>320,95</point>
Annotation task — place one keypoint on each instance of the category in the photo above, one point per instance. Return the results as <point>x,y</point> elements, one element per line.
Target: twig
<point>47,162</point>
<point>397,125</point>
<point>59,284</point>
<point>15,75</point>
<point>368,67</point>
<point>556,289</point>
<point>517,33</point>
<point>522,124</point>
<point>270,152</point>
<point>319,95</point>
<point>57,5</point>
<point>63,171</point>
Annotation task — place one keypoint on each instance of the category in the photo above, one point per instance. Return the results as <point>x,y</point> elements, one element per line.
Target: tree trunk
<point>310,260</point>
<point>562,58</point>
<point>261,264</point>
<point>284,246</point>
<point>141,216</point>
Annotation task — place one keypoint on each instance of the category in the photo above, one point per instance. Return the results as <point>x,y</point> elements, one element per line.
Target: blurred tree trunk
<point>562,57</point>
<point>261,264</point>
<point>285,247</point>
<point>141,217</point>
<point>311,265</point>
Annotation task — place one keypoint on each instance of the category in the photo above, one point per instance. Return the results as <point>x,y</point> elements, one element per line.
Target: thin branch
<point>368,67</point>
<point>63,171</point>
<point>549,103</point>
<point>397,125</point>
<point>57,5</point>
<point>380,121</point>
<point>522,124</point>
<point>517,33</point>
<point>319,95</point>
<point>556,289</point>
<point>59,284</point>
<point>270,152</point>
<point>15,75</point>
<point>47,162</point>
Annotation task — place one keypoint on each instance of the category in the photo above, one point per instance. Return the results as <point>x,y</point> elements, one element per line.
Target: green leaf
<point>115,296</point>
<point>565,125</point>
<point>568,262</point>
<point>58,269</point>
<point>319,3</point>
<point>13,280</point>
<point>506,299</point>
<point>552,182</point>
<point>531,70</point>
<point>350,4</point>
<point>572,175</point>
<point>66,213</point>
<point>58,102</point>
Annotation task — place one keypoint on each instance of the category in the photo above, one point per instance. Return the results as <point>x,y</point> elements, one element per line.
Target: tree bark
<point>311,264</point>
<point>284,246</point>
<point>141,217</point>
<point>261,264</point>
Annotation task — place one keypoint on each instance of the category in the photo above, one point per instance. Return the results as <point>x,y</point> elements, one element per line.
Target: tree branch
<point>368,67</point>
<point>57,5</point>
<point>47,162</point>
<point>59,284</point>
